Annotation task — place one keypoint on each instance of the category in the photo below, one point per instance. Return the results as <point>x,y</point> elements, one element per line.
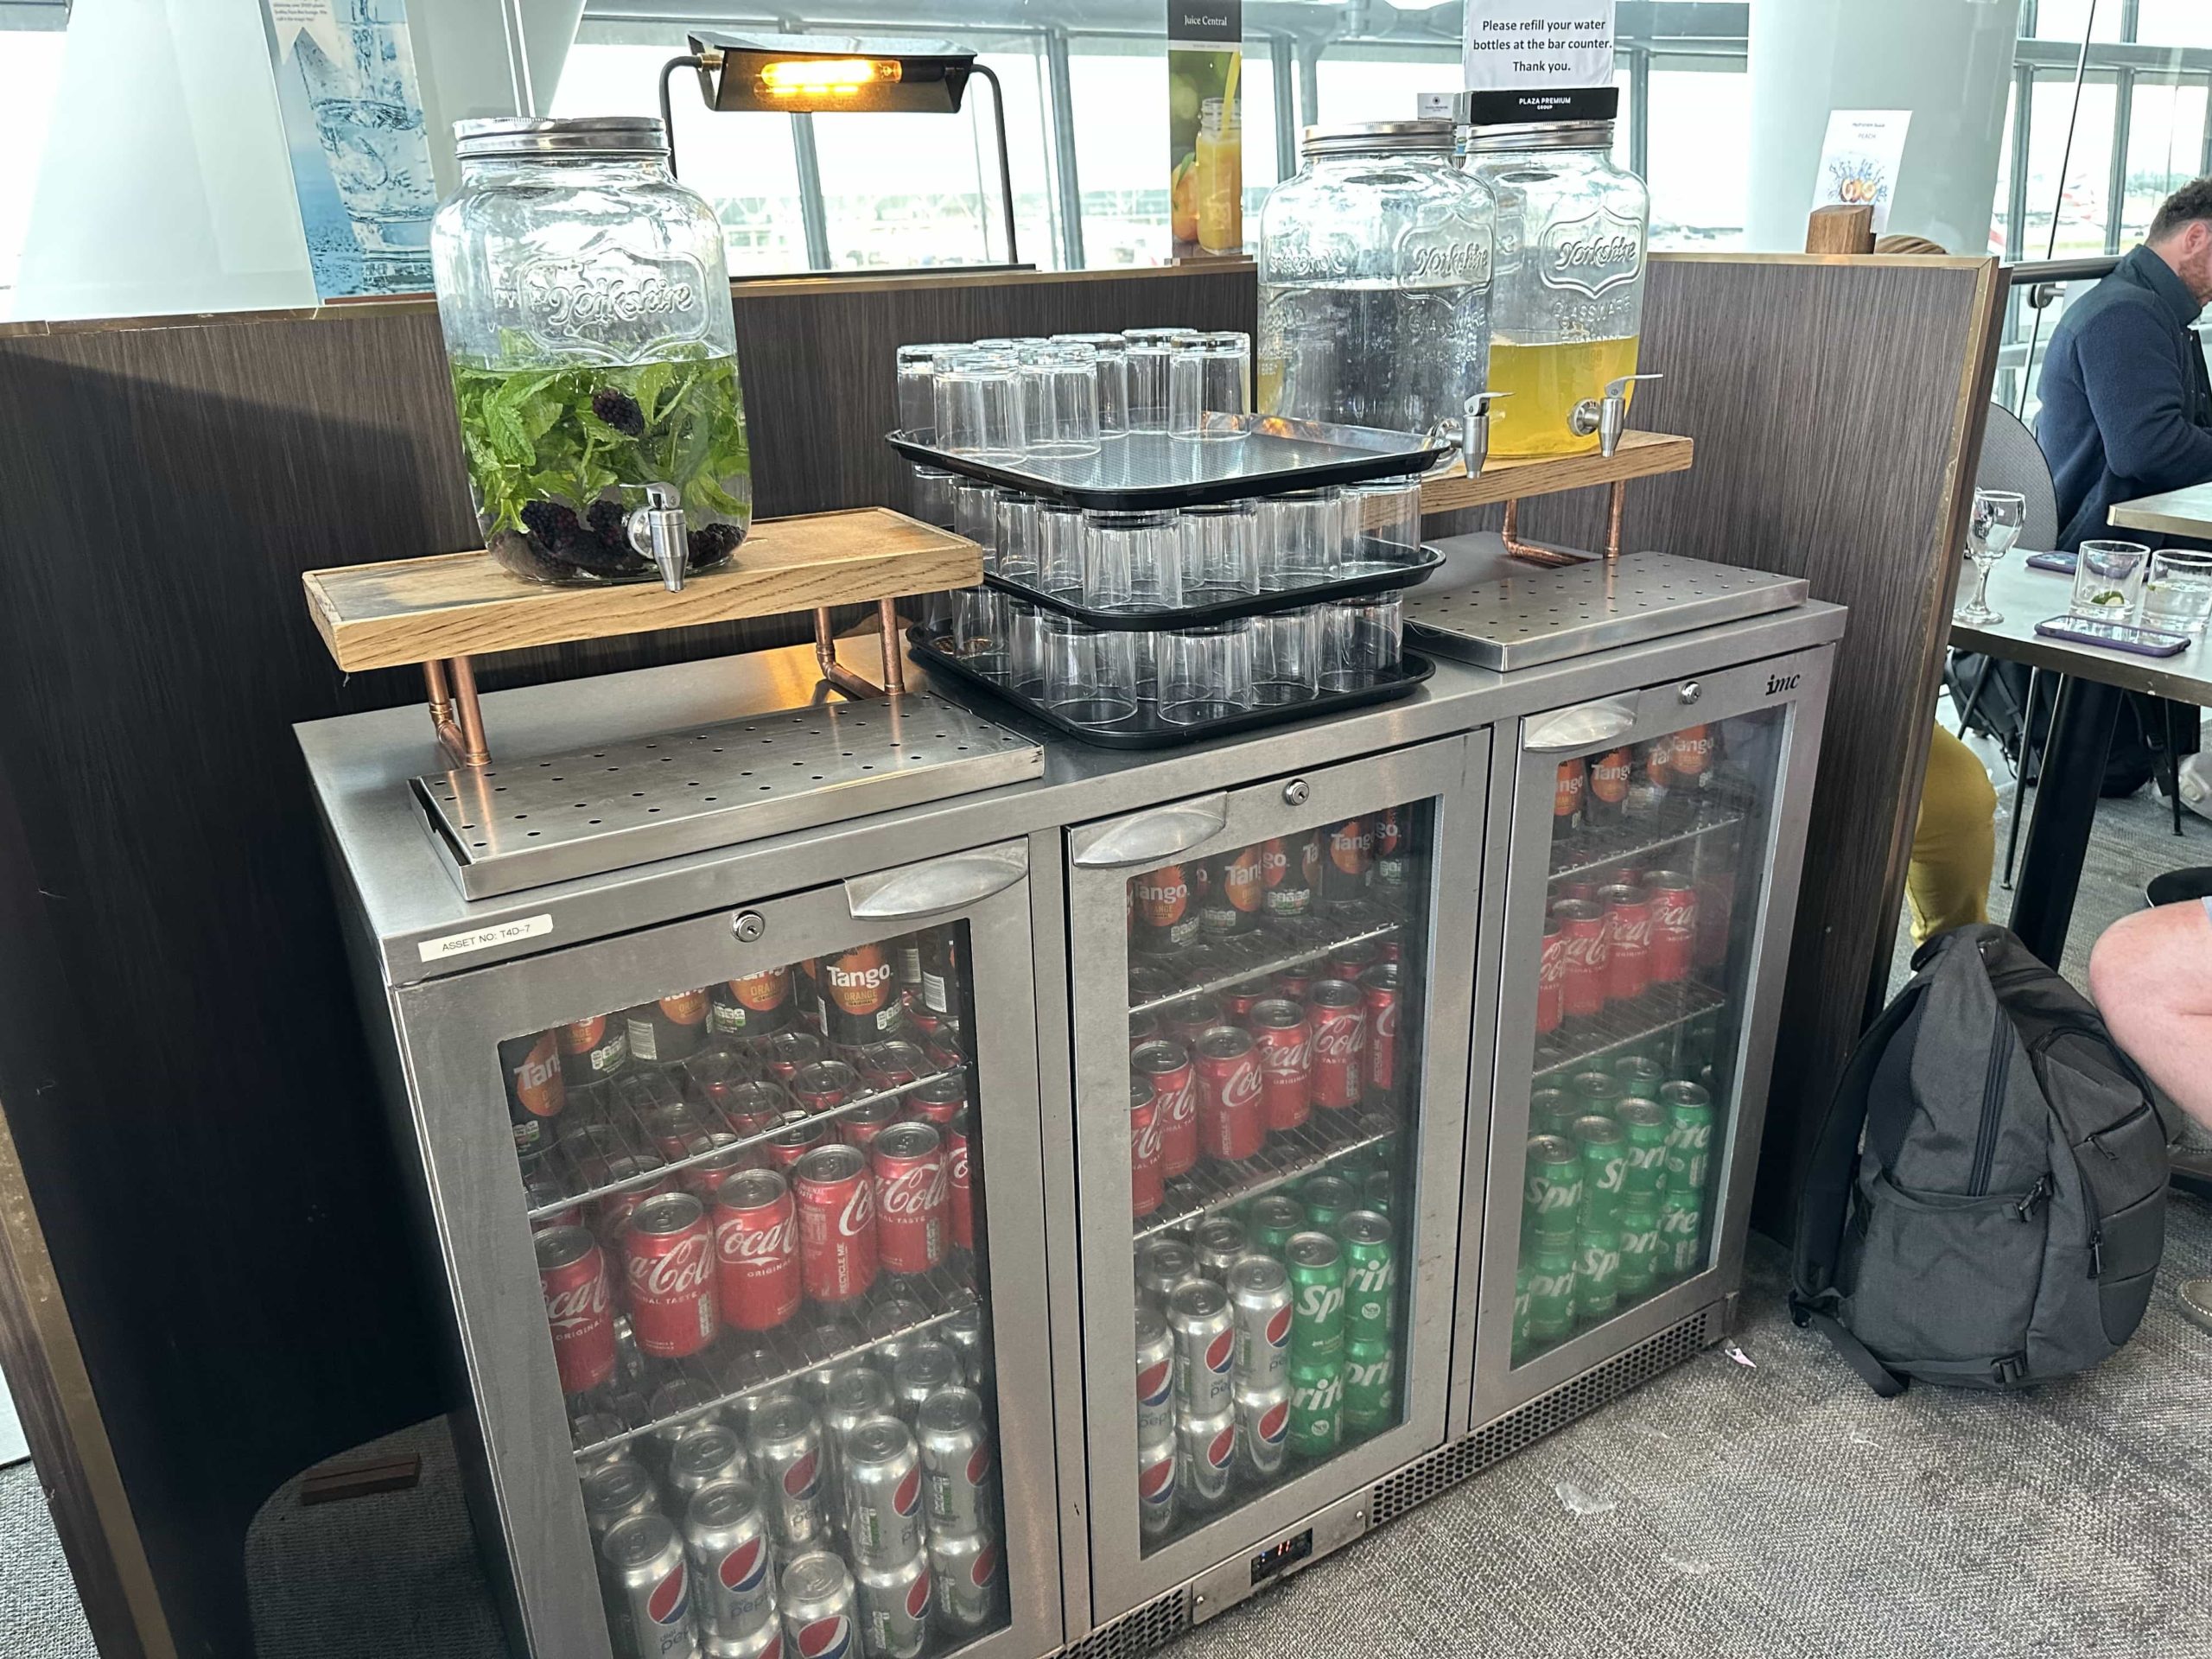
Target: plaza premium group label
<point>1538,59</point>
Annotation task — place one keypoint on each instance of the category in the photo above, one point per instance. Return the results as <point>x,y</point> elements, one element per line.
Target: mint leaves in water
<point>559,457</point>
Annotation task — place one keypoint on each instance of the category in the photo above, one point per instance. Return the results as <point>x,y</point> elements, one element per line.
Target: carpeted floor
<point>39,1615</point>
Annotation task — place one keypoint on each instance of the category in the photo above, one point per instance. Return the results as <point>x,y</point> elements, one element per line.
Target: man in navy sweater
<point>2126,403</point>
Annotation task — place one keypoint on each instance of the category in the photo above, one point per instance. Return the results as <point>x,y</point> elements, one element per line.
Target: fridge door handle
<point>941,884</point>
<point>1587,724</point>
<point>1148,838</point>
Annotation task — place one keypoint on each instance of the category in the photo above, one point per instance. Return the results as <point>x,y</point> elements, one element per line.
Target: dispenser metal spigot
<point>1608,418</point>
<point>1470,431</point>
<point>656,531</point>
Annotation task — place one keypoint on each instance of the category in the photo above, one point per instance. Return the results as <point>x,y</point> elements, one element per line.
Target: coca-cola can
<point>966,1568</point>
<point>1674,925</point>
<point>579,1306</point>
<point>674,1126</point>
<point>1193,1017</point>
<point>882,1480</point>
<point>702,1177</point>
<point>726,1535</point>
<point>1551,975</point>
<point>802,1133</point>
<point>668,1253</point>
<point>947,1046</point>
<point>787,1456</point>
<point>1238,1000</point>
<point>1583,983</point>
<point>1167,1066</point>
<point>938,1100</point>
<point>959,1137</point>
<point>836,1224</point>
<point>889,1065</point>
<point>1380,985</point>
<point>757,1277</point>
<point>791,1049</point>
<point>958,1464</point>
<point>1628,941</point>
<point>1338,1011</point>
<point>1350,961</point>
<point>895,1607</point>
<point>1294,983</point>
<point>756,1106</point>
<point>859,1126</point>
<point>616,1208</point>
<point>546,1200</point>
<point>1231,1127</point>
<point>1284,1038</point>
<point>908,1159</point>
<point>1147,1187</point>
<point>824,1085</point>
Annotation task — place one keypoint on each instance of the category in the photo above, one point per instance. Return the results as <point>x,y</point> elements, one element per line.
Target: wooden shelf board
<point>1642,454</point>
<point>423,610</point>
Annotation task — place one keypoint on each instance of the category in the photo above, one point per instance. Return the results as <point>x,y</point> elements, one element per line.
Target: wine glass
<point>1991,528</point>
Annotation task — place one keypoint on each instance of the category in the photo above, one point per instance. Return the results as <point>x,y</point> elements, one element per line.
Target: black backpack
<point>1986,1206</point>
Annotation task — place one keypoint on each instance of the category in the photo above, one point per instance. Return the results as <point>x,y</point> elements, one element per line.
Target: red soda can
<point>1147,1186</point>
<point>908,1160</point>
<point>1551,975</point>
<point>616,1208</point>
<point>940,1100</point>
<point>1143,1028</point>
<point>959,1179</point>
<point>1238,1000</point>
<point>1350,961</point>
<point>947,1045</point>
<point>668,1252</point>
<point>824,1085</point>
<point>757,1282</point>
<point>1294,983</point>
<point>1674,925</point>
<point>860,1127</point>
<point>541,1192</point>
<point>835,1198</point>
<point>1583,983</point>
<point>1337,1009</point>
<point>1167,1066</point>
<point>802,1134</point>
<point>701,1178</point>
<point>579,1306</point>
<point>791,1049</point>
<point>1230,1126</point>
<point>1379,987</point>
<point>1581,891</point>
<point>887,1065</point>
<point>1190,1020</point>
<point>755,1108</point>
<point>1628,941</point>
<point>676,1129</point>
<point>1285,1039</point>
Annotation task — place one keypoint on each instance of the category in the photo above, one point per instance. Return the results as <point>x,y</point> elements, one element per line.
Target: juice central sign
<point>1205,129</point>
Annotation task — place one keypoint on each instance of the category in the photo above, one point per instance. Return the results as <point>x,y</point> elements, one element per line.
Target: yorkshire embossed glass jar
<point>1567,306</point>
<point>585,302</point>
<point>1374,280</point>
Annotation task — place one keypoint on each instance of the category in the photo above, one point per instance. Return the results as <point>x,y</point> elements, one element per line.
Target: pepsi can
<point>891,1327</point>
<point>1259,1295</point>
<point>1157,1483</point>
<point>1163,1264</point>
<point>856,1394</point>
<point>1206,1340</point>
<point>787,1450</point>
<point>883,1493</point>
<point>678,1407</point>
<point>648,1588</point>
<point>615,1491</point>
<point>819,1615</point>
<point>965,1566</point>
<point>601,1432</point>
<point>931,1368</point>
<point>1264,1429</point>
<point>965,1331</point>
<point>894,1605</point>
<point>705,1456</point>
<point>766,1643</point>
<point>958,1462</point>
<point>1155,1378</point>
<point>1209,1444</point>
<point>727,1538</point>
<point>1219,1244</point>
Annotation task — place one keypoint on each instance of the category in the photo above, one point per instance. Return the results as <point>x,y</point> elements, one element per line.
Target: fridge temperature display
<point>1288,1553</point>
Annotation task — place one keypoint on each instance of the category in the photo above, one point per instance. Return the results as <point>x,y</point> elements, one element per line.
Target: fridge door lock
<point>952,883</point>
<point>1296,792</point>
<point>1148,838</point>
<point>748,926</point>
<point>1571,728</point>
<point>1691,692</point>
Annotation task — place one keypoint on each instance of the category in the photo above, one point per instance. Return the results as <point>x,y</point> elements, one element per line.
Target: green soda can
<point>1551,1201</point>
<point>1596,1092</point>
<point>1604,1169</point>
<point>1639,1077</point>
<point>1639,1241</point>
<point>1370,1389</point>
<point>1682,1228</point>
<point>1597,1275</point>
<point>1551,1292</point>
<point>1370,1276</point>
<point>1644,1127</point>
<point>1689,1136</point>
<point>1520,1342</point>
<point>1317,1290</point>
<point>1271,1220</point>
<point>1327,1199</point>
<point>1317,1398</point>
<point>1376,1191</point>
<point>1552,1111</point>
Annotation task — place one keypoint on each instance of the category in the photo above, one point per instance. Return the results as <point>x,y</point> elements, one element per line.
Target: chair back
<point>2012,460</point>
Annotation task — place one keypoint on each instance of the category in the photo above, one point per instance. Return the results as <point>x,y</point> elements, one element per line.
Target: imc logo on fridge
<point>1778,684</point>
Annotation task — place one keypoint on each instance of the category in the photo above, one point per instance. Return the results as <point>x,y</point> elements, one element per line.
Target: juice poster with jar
<point>1205,139</point>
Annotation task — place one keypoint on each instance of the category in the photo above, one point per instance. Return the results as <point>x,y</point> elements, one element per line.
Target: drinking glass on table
<point>2108,579</point>
<point>2178,596</point>
<point>1993,526</point>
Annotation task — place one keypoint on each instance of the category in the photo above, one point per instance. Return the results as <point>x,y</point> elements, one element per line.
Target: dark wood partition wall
<point>188,1089</point>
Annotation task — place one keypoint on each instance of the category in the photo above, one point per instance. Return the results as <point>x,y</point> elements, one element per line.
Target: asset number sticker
<point>483,939</point>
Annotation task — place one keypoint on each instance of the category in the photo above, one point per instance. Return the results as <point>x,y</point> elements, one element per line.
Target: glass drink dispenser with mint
<point>585,302</point>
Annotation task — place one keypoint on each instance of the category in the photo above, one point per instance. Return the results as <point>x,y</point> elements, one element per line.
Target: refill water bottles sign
<point>1205,129</point>
<point>352,117</point>
<point>1859,161</point>
<point>1538,60</point>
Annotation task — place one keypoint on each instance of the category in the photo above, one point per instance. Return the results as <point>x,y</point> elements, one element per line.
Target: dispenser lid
<point>526,135</point>
<point>1379,138</point>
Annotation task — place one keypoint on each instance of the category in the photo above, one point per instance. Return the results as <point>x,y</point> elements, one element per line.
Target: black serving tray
<point>1142,733</point>
<point>1198,616</point>
<point>1150,472</point>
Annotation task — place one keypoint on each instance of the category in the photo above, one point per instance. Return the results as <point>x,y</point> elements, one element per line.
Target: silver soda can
<point>965,1331</point>
<point>766,1643</point>
<point>856,1393</point>
<point>732,1568</point>
<point>705,1456</point>
<point>1155,1378</point>
<point>959,1464</point>
<point>598,1429</point>
<point>931,1368</point>
<point>890,1325</point>
<point>615,1491</point>
<point>1157,1484</point>
<point>820,1617</point>
<point>1263,1430</point>
<point>883,1493</point>
<point>648,1588</point>
<point>678,1407</point>
<point>966,1568</point>
<point>1205,1340</point>
<point>1259,1295</point>
<point>787,1453</point>
<point>1220,1243</point>
<point>894,1602</point>
<point>1163,1265</point>
<point>1209,1444</point>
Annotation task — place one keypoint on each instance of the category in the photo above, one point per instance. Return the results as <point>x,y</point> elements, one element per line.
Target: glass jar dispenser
<point>585,302</point>
<point>1374,281</point>
<point>1567,308</point>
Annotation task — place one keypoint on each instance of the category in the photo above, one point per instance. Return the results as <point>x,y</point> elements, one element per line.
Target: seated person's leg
<point>2151,977</point>
<point>1954,846</point>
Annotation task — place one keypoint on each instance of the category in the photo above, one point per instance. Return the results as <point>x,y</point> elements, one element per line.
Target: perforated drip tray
<point>521,823</point>
<point>1533,615</point>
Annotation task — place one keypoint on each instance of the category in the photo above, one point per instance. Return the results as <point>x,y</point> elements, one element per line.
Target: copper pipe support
<point>1613,520</point>
<point>445,710</point>
<point>825,661</point>
<point>894,659</point>
<point>1510,534</point>
<point>474,749</point>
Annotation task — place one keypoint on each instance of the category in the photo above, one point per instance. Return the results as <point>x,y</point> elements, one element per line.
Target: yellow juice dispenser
<point>1566,298</point>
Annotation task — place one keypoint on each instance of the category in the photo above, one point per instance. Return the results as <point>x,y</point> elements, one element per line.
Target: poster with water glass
<point>352,116</point>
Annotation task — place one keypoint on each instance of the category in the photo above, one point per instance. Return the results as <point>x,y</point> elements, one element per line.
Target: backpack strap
<point>1852,1351</point>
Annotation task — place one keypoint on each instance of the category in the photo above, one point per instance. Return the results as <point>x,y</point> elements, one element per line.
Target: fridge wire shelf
<point>1635,841</point>
<point>1623,1025</point>
<point>1363,583</point>
<point>1227,967</point>
<point>1324,1137</point>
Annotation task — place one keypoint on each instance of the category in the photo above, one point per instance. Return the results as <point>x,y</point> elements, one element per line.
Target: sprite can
<point>1639,1243</point>
<point>1644,1127</point>
<point>1689,1136</point>
<point>1552,1197</point>
<point>1327,1199</point>
<point>1371,1399</point>
<point>1597,1275</point>
<point>1552,1111</point>
<point>1639,1077</point>
<point>1374,1192</point>
<point>1271,1220</point>
<point>1370,1276</point>
<point>1551,1292</point>
<point>1316,1399</point>
<point>1597,1092</point>
<point>1521,1344</point>
<point>1317,1285</point>
<point>1605,1169</point>
<point>1681,1227</point>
